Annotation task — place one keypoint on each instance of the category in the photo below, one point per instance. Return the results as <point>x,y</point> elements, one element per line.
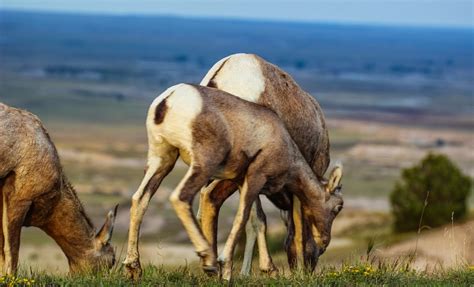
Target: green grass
<point>360,274</point>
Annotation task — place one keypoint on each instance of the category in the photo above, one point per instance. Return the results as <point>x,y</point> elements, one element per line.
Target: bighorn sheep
<point>35,192</point>
<point>223,137</point>
<point>251,78</point>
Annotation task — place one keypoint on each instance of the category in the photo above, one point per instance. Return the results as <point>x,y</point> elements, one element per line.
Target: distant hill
<point>347,67</point>
<point>327,47</point>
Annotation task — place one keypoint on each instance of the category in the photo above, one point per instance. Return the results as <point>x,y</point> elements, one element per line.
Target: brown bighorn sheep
<point>35,192</point>
<point>253,79</point>
<point>223,137</point>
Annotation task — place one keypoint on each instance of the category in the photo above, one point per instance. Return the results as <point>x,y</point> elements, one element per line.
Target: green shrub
<point>448,191</point>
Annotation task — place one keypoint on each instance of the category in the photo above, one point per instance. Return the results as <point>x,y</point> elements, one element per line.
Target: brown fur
<point>301,114</point>
<point>37,193</point>
<point>160,112</point>
<point>304,120</point>
<point>233,140</point>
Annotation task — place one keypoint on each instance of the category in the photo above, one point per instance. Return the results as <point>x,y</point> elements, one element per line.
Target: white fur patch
<point>212,72</point>
<point>240,75</point>
<point>184,103</point>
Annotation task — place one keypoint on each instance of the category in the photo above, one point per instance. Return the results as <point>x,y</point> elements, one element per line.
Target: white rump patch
<point>238,74</point>
<point>160,98</point>
<point>212,72</point>
<point>184,104</point>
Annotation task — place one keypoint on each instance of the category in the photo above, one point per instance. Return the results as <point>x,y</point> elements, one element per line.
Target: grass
<point>359,273</point>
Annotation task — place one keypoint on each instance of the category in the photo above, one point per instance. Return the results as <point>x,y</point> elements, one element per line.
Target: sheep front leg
<point>157,169</point>
<point>290,243</point>
<point>16,218</point>
<point>181,199</point>
<point>249,192</point>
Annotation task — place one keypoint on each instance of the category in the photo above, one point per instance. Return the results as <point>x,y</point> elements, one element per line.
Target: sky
<point>441,13</point>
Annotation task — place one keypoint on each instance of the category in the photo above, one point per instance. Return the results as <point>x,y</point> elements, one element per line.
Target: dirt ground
<point>445,247</point>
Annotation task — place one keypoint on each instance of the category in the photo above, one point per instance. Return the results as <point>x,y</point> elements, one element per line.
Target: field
<point>361,274</point>
<point>386,106</point>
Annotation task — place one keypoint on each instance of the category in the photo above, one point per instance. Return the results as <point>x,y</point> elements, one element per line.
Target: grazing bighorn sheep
<point>251,78</point>
<point>35,192</point>
<point>223,137</point>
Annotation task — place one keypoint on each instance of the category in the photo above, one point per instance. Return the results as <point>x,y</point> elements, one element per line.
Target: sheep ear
<point>105,233</point>
<point>335,179</point>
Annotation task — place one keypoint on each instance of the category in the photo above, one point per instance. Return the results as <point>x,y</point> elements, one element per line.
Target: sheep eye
<point>337,209</point>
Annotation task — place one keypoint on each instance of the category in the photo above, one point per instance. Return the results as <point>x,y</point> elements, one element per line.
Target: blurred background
<point>395,80</point>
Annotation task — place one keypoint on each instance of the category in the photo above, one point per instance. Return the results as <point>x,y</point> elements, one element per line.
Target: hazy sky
<point>398,12</point>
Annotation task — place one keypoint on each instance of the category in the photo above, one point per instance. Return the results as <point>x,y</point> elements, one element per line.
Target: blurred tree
<point>448,191</point>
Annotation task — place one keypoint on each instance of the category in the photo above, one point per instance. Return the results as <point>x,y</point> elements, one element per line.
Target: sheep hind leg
<point>250,239</point>
<point>265,260</point>
<point>212,198</point>
<point>181,199</point>
<point>255,231</point>
<point>203,197</point>
<point>159,165</point>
